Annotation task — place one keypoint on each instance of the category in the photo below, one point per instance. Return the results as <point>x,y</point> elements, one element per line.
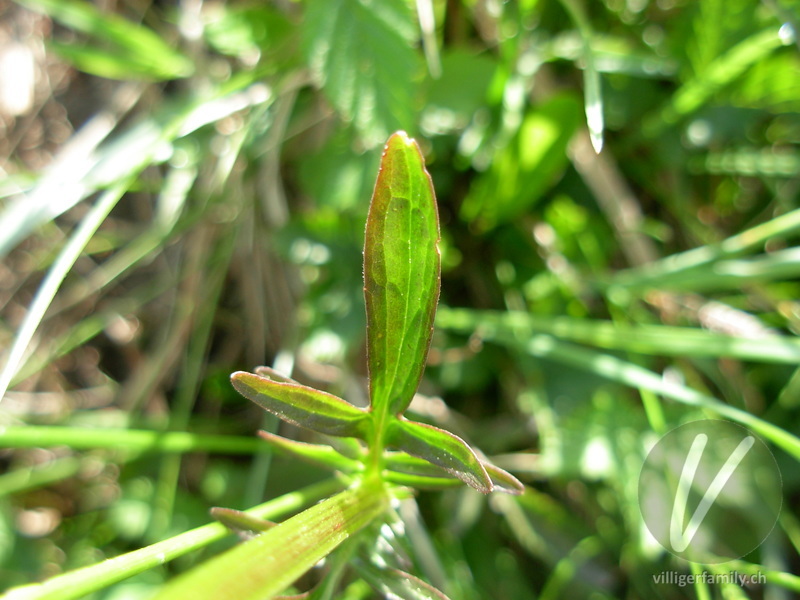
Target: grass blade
<point>658,340</point>
<point>627,373</point>
<point>265,565</point>
<point>593,97</point>
<point>52,281</point>
<point>401,275</point>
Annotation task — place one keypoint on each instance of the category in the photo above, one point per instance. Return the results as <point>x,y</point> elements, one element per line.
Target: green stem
<point>134,440</point>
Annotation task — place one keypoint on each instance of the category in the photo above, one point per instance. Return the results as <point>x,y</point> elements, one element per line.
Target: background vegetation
<point>183,195</point>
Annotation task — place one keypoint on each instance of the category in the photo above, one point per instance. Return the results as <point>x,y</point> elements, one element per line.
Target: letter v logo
<point>679,537</point>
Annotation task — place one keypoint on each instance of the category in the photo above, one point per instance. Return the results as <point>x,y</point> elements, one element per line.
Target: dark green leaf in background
<point>362,55</point>
<point>524,170</point>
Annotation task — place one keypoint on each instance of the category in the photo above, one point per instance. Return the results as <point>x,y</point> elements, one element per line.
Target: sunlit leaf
<point>303,406</point>
<point>441,448</point>
<point>401,275</point>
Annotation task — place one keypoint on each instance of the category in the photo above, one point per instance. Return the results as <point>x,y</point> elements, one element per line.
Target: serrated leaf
<point>303,406</point>
<point>441,448</point>
<point>267,564</point>
<point>362,54</point>
<point>401,275</point>
<point>318,454</point>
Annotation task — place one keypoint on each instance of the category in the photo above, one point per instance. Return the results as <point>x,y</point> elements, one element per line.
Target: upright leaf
<point>401,275</point>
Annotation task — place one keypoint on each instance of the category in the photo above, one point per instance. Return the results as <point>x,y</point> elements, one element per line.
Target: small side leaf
<point>274,375</point>
<point>441,448</point>
<point>246,526</point>
<point>318,454</point>
<point>401,275</point>
<point>303,406</point>
<point>503,481</point>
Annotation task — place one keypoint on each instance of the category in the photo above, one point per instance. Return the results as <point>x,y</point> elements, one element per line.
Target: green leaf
<point>267,564</point>
<point>401,275</point>
<point>441,448</point>
<point>318,454</point>
<point>362,55</point>
<point>303,406</point>
<point>525,168</point>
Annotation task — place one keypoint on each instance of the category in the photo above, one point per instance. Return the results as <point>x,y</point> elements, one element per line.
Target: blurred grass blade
<point>33,477</point>
<point>64,182</point>
<point>783,226</point>
<point>83,581</point>
<point>52,281</point>
<point>440,448</point>
<point>133,440</point>
<point>130,49</point>
<point>401,275</point>
<point>616,369</point>
<point>722,71</point>
<point>593,97</point>
<point>318,454</point>
<point>659,340</point>
<point>733,274</point>
<point>266,565</point>
<point>303,406</point>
